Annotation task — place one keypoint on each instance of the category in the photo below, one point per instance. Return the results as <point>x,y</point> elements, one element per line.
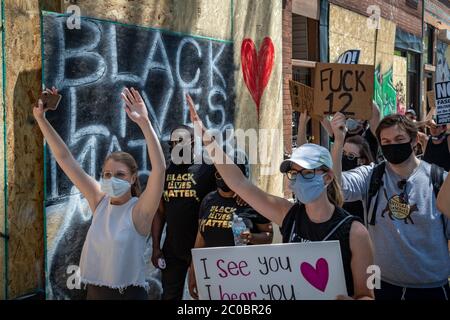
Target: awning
<point>407,41</point>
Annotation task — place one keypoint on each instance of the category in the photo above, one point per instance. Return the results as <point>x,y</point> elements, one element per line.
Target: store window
<point>412,99</point>
<point>305,47</point>
<point>413,79</point>
<point>428,44</point>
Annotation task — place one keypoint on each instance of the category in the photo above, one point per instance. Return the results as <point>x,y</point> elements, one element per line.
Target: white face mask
<point>114,187</point>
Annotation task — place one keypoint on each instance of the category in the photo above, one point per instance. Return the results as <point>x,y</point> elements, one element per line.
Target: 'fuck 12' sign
<point>294,271</point>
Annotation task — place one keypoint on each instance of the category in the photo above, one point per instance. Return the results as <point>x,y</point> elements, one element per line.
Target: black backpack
<point>376,182</point>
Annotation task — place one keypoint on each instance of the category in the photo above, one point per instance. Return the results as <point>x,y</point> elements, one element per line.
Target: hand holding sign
<point>48,100</point>
<point>339,128</point>
<point>192,282</point>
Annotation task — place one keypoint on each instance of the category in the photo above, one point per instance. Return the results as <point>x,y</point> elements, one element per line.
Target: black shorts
<point>391,292</point>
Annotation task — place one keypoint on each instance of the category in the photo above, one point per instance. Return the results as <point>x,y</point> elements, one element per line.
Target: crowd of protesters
<point>386,202</point>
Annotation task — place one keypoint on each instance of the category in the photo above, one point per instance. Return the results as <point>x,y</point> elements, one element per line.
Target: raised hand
<point>53,91</point>
<point>338,127</point>
<point>304,117</point>
<point>195,118</point>
<point>135,106</point>
<point>194,115</point>
<point>38,108</point>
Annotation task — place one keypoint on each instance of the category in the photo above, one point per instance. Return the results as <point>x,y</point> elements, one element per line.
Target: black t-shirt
<point>297,227</point>
<point>216,218</point>
<point>355,208</point>
<point>439,154</point>
<point>185,187</point>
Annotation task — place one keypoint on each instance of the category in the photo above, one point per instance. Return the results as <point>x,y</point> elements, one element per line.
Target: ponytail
<point>334,194</point>
<point>136,188</point>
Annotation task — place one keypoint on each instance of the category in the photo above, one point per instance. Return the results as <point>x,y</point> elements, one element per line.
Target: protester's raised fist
<point>338,127</point>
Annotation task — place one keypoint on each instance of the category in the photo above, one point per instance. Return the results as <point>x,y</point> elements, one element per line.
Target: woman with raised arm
<point>317,218</point>
<point>112,262</point>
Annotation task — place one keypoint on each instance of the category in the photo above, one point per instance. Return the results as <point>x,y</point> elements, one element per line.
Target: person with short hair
<point>408,231</point>
<point>437,145</point>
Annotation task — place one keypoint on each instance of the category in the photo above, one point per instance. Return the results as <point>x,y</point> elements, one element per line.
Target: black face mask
<point>222,185</point>
<point>348,164</point>
<point>397,153</point>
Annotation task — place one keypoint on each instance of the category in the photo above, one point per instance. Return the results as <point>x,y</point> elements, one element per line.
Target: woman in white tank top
<point>112,261</point>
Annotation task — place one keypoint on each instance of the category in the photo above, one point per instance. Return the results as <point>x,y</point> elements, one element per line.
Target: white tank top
<point>113,252</point>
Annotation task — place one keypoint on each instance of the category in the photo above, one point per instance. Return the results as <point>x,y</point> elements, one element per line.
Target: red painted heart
<point>257,68</point>
<point>317,277</point>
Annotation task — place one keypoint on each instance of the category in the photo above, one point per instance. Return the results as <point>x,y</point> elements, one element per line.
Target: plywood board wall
<point>261,22</point>
<point>24,149</point>
<point>348,30</point>
<point>2,177</point>
<point>385,94</point>
<point>209,18</point>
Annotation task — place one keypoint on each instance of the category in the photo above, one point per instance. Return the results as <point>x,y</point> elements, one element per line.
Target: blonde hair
<point>128,160</point>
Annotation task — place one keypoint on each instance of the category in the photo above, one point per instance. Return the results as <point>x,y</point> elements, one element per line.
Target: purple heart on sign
<point>318,276</point>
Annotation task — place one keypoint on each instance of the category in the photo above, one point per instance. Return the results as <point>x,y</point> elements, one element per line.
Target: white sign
<point>292,271</point>
<point>442,91</point>
<point>349,57</point>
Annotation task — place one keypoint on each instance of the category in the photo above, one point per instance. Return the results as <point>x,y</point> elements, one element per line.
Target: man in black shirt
<point>436,146</point>
<point>186,184</point>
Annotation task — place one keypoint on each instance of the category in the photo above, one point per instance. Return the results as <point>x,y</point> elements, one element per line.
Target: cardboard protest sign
<point>431,99</point>
<point>302,96</point>
<point>345,88</point>
<point>349,57</point>
<point>442,94</point>
<point>293,271</point>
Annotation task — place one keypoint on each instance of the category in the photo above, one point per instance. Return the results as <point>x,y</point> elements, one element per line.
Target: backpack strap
<point>376,182</point>
<point>348,217</point>
<point>437,179</point>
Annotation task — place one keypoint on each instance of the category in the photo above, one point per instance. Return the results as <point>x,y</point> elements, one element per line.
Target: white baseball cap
<point>308,156</point>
